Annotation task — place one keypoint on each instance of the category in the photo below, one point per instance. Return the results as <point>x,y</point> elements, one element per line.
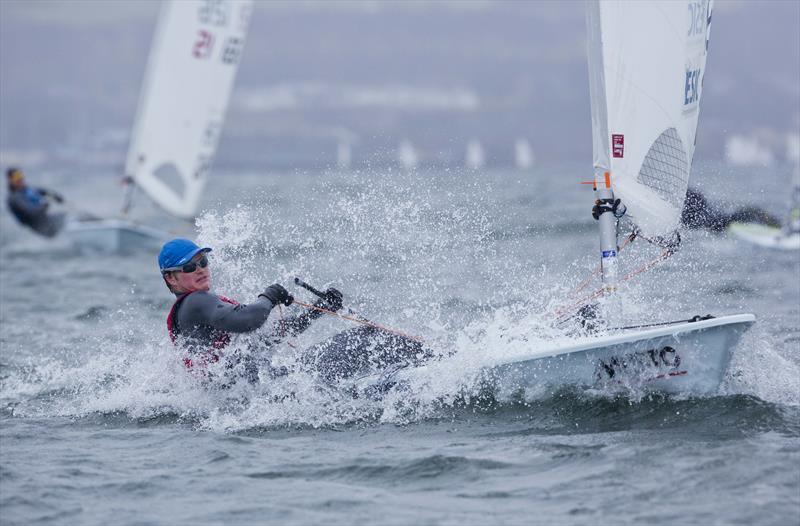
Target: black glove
<point>277,294</point>
<point>331,300</point>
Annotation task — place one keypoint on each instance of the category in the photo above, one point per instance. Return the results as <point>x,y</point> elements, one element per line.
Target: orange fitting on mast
<point>608,180</point>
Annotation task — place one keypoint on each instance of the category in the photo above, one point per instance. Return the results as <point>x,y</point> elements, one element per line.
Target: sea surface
<point>99,423</point>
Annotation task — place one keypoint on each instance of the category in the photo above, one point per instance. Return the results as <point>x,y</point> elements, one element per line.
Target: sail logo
<point>691,88</point>
<point>618,145</point>
<point>232,51</point>
<point>647,365</point>
<point>697,19</point>
<point>204,44</point>
<point>214,12</point>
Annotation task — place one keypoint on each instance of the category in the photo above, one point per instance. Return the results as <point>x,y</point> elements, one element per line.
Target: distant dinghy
<point>523,154</point>
<point>407,155</point>
<point>190,73</point>
<point>475,157</point>
<point>787,237</point>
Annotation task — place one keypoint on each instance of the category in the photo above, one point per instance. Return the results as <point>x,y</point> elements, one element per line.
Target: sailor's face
<point>17,182</point>
<point>200,279</point>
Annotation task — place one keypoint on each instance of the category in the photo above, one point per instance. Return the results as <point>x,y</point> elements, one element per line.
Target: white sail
<point>523,154</point>
<point>407,155</point>
<point>647,61</point>
<point>475,157</point>
<point>344,154</point>
<point>188,82</point>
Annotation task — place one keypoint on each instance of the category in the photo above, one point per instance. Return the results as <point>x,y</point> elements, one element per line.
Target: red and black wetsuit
<point>204,322</point>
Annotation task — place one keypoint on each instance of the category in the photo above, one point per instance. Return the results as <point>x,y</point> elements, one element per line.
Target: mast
<point>607,211</point>
<point>604,193</point>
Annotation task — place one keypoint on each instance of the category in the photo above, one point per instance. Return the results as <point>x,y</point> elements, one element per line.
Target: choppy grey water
<point>100,425</point>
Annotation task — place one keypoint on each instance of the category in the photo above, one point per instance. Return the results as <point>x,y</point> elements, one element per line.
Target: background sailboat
<point>188,82</point>
<point>407,155</point>
<point>475,158</point>
<point>523,154</point>
<point>787,237</point>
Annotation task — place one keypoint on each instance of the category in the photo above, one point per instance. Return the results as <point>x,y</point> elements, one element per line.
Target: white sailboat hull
<point>113,236</point>
<point>765,236</point>
<point>687,358</point>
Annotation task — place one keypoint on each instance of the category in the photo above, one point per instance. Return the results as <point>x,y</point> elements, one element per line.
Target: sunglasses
<point>189,267</point>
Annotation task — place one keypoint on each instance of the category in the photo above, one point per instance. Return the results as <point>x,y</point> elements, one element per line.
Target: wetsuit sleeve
<point>300,323</point>
<point>204,308</point>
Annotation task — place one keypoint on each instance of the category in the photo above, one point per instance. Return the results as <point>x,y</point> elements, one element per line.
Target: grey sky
<point>436,73</point>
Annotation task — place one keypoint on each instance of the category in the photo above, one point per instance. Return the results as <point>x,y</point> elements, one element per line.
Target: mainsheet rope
<point>358,320</point>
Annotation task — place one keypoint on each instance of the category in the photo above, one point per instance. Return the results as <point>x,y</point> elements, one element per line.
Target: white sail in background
<point>475,158</point>
<point>647,61</point>
<point>523,154</point>
<point>193,61</point>
<point>407,155</point>
<point>344,154</point>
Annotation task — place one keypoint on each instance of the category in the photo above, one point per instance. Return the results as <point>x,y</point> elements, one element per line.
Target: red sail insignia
<point>618,145</point>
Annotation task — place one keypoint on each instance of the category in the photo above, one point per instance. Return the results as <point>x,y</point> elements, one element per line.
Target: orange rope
<point>560,312</point>
<point>357,320</point>
<point>596,271</point>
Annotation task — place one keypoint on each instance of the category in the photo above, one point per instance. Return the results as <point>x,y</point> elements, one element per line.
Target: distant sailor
<point>30,205</point>
<point>203,324</point>
<point>699,213</point>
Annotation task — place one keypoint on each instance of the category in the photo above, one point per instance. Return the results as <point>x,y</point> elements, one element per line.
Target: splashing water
<point>456,262</point>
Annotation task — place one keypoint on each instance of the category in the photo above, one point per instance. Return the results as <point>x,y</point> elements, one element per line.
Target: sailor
<point>30,205</point>
<point>203,322</point>
<point>699,213</point>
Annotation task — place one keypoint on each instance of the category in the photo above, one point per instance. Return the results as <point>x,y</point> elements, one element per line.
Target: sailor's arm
<point>332,302</point>
<point>297,324</point>
<point>55,196</point>
<point>204,308</point>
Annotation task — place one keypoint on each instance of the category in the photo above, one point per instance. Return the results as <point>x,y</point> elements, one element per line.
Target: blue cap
<point>178,252</point>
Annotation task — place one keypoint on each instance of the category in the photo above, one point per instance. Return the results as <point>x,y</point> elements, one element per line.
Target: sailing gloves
<point>277,295</point>
<point>331,300</point>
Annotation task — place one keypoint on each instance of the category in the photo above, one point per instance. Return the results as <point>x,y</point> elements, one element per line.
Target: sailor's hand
<point>332,300</point>
<point>52,195</point>
<point>277,295</point>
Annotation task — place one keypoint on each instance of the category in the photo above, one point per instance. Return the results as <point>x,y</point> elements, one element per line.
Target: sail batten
<point>646,65</point>
<point>188,81</point>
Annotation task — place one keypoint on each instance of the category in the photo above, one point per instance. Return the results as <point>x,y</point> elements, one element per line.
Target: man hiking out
<point>203,323</point>
<point>30,205</point>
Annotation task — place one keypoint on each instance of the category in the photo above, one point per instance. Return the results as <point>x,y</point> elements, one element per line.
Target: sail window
<point>168,174</point>
<point>666,169</point>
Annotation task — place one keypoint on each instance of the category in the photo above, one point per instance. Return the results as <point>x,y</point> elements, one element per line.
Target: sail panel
<point>189,78</point>
<point>649,58</point>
